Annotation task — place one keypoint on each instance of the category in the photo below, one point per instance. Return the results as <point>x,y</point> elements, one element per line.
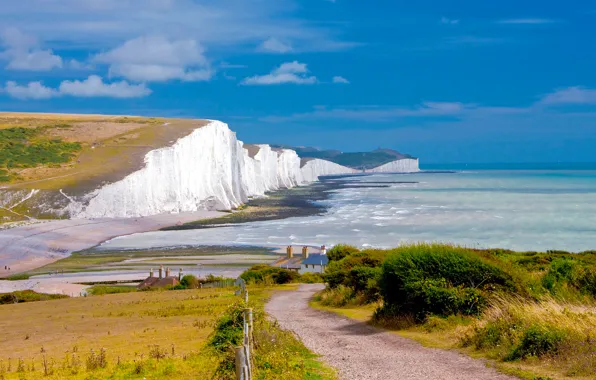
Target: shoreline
<point>302,201</point>
<point>24,246</point>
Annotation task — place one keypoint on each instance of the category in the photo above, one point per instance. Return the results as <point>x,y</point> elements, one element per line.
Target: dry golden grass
<point>123,324</point>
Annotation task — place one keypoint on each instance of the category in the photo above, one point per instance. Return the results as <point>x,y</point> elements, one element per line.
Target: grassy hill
<point>356,160</point>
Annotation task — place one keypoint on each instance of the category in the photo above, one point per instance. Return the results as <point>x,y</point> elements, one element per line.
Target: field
<point>143,335</point>
<point>532,314</point>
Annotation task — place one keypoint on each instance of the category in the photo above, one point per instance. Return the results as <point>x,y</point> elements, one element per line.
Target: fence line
<point>244,368</point>
<point>219,284</point>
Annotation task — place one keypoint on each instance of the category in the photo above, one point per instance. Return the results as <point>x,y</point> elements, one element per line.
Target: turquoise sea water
<point>516,209</point>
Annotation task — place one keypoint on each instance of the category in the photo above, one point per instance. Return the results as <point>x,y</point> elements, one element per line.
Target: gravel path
<point>360,351</point>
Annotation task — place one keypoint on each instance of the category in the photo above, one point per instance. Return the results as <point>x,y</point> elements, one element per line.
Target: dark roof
<point>316,259</point>
<point>284,262</point>
<point>156,282</point>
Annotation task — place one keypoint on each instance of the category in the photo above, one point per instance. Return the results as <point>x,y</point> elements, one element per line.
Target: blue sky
<point>457,81</point>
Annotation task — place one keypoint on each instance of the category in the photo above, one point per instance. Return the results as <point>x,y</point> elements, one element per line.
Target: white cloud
<point>383,113</point>
<point>157,59</point>
<point>33,90</point>
<point>275,46</point>
<point>289,72</point>
<point>94,86</point>
<point>101,24</point>
<point>23,52</point>
<point>449,21</point>
<point>570,95</point>
<point>526,21</point>
<point>341,80</point>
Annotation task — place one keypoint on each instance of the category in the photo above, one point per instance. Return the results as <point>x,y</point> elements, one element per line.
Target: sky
<point>449,82</point>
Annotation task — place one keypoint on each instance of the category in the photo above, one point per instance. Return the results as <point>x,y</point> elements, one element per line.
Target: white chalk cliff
<point>406,165</point>
<point>206,170</point>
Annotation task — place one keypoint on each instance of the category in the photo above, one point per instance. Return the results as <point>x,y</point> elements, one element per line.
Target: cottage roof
<point>284,262</point>
<point>156,282</point>
<point>316,259</point>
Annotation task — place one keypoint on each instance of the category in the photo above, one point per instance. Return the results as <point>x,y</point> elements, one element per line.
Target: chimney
<point>305,252</point>
<point>323,250</point>
<point>290,251</point>
<point>161,271</point>
<point>151,273</point>
<point>168,272</point>
<point>180,275</point>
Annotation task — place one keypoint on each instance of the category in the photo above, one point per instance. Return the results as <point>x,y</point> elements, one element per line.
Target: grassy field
<point>532,314</point>
<point>140,335</point>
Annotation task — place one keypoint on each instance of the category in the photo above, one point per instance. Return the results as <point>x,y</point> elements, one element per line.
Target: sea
<point>516,206</point>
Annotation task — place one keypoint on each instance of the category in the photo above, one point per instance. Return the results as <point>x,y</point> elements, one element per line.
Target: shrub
<point>365,280</point>
<point>438,279</point>
<point>99,290</point>
<point>268,274</point>
<point>536,341</point>
<point>311,278</point>
<point>340,251</point>
<point>228,331</point>
<point>561,271</point>
<point>337,297</point>
<point>189,282</point>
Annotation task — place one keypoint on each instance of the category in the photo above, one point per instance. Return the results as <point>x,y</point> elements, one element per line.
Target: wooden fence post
<point>241,363</point>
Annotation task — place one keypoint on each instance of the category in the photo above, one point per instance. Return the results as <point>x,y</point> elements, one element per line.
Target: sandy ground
<point>360,351</point>
<point>31,246</point>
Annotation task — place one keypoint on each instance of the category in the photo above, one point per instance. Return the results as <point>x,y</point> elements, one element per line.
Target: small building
<point>305,263</point>
<point>315,263</point>
<point>161,281</point>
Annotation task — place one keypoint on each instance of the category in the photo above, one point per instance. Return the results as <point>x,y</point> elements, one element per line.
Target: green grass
<point>17,277</point>
<point>27,296</point>
<point>99,290</point>
<point>27,148</point>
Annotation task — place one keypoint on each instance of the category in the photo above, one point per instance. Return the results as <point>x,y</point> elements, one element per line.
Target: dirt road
<point>361,352</point>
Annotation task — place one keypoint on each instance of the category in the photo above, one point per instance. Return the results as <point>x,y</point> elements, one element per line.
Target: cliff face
<point>209,169</point>
<point>406,165</point>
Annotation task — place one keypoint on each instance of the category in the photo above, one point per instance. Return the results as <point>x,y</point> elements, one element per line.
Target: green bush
<point>311,278</point>
<point>189,281</point>
<point>340,251</point>
<point>27,296</point>
<point>267,274</point>
<point>561,271</point>
<point>536,341</point>
<point>438,279</point>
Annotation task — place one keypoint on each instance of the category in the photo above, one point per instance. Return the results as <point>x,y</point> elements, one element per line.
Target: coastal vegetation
<point>174,335</point>
<point>27,296</point>
<point>30,147</point>
<point>533,313</point>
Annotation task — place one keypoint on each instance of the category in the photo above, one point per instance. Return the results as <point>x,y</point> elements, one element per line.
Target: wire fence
<point>244,353</point>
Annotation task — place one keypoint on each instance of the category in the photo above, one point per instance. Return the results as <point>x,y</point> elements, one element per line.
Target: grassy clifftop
<point>59,151</point>
<point>75,153</point>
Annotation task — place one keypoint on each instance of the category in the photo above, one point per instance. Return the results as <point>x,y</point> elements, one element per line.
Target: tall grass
<point>561,333</point>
